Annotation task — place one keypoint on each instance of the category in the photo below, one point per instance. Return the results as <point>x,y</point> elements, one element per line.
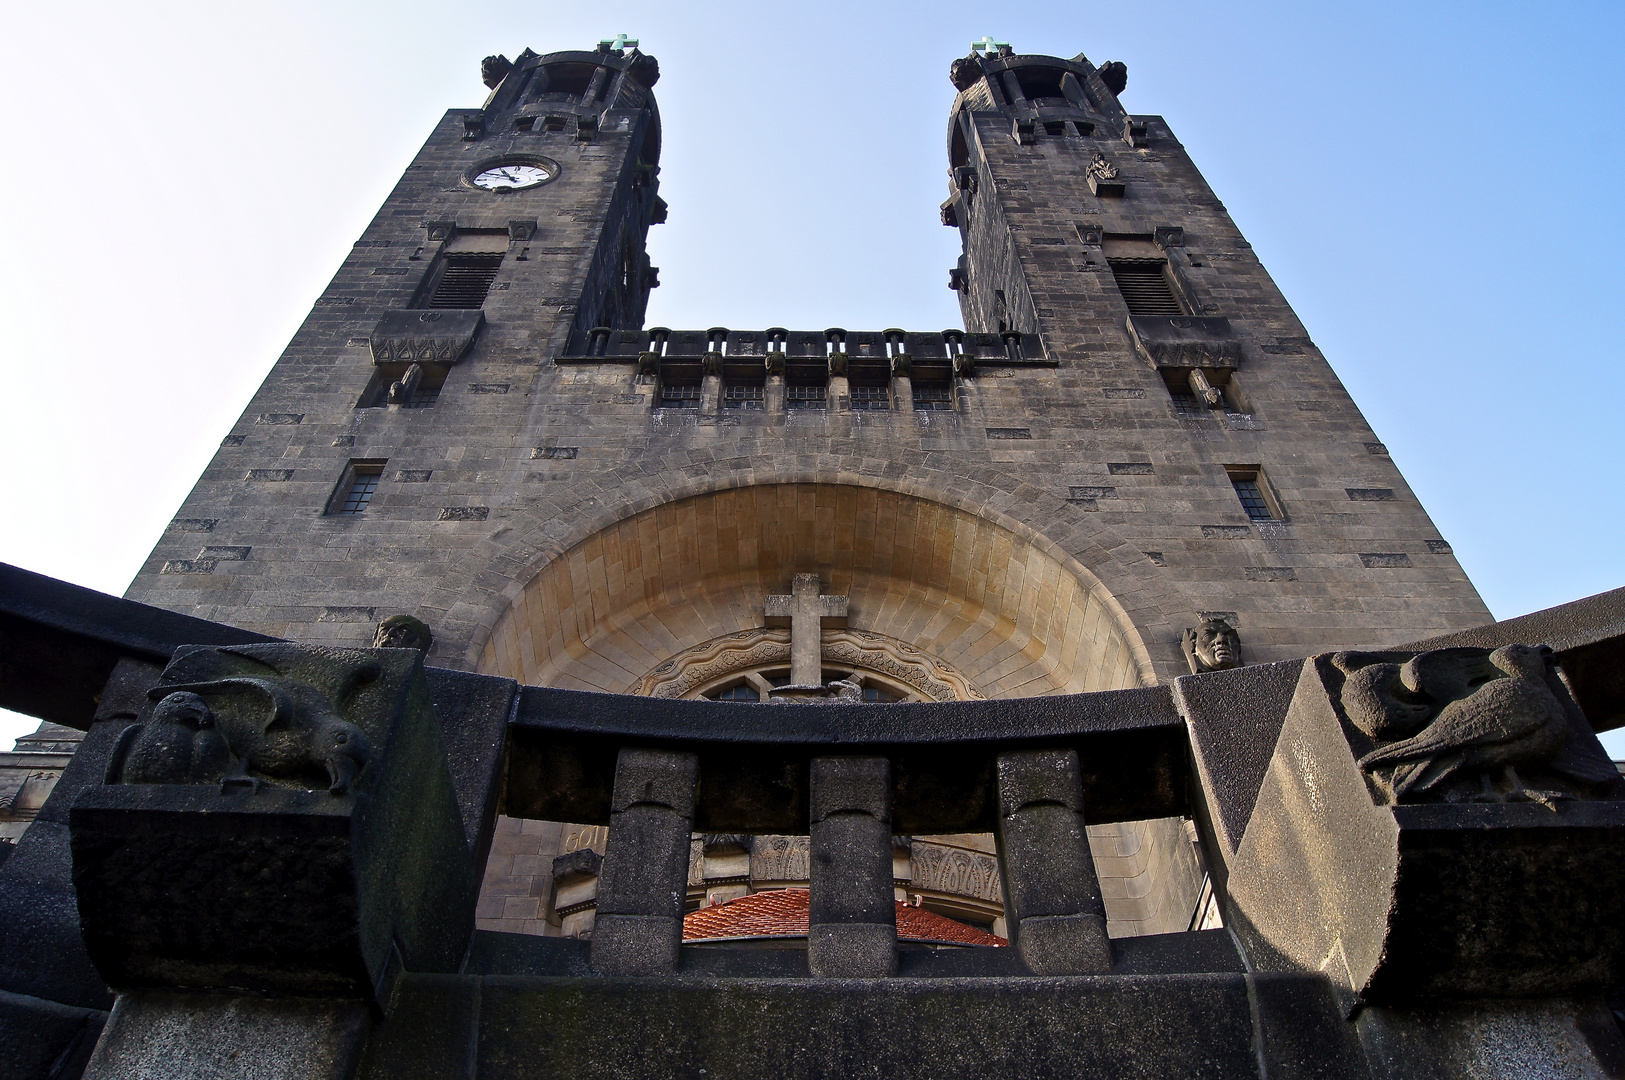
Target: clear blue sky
<point>1433,187</point>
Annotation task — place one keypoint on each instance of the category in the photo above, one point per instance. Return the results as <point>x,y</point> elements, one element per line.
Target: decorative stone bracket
<point>405,337</point>
<point>1185,341</point>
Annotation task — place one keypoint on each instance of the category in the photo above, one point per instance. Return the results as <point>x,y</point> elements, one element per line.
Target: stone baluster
<point>853,932</point>
<point>1052,902</point>
<point>639,926</point>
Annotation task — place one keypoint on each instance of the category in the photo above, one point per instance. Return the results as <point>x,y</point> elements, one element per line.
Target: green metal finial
<point>620,42</point>
<point>988,45</point>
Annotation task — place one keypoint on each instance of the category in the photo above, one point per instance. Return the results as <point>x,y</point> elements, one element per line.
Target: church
<point>918,673</point>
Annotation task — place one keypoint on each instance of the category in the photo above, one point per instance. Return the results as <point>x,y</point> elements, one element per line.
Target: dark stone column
<point>639,927</point>
<point>1052,899</point>
<point>853,932</point>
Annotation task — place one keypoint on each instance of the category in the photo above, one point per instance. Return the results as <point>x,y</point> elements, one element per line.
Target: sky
<point>1433,187</point>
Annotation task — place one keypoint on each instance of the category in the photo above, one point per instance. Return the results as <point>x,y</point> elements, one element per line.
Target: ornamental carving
<point>691,671</point>
<point>1471,725</point>
<point>780,858</point>
<point>955,871</point>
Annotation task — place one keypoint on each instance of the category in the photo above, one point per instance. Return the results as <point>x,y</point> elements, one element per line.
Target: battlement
<point>958,349</point>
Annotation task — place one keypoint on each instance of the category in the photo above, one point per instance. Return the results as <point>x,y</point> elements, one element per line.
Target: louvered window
<point>464,281</point>
<point>1145,288</point>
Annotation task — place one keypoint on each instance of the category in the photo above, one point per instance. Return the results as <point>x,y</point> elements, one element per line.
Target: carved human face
<point>1217,646</point>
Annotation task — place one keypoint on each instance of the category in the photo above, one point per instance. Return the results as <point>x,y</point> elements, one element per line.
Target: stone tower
<point>1131,463</point>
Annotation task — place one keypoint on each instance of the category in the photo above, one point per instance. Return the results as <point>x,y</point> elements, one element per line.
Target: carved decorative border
<point>701,665</point>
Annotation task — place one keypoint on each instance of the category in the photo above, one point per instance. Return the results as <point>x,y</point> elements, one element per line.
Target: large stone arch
<point>1013,613</point>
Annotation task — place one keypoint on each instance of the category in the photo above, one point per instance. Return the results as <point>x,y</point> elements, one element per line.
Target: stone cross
<point>621,42</point>
<point>806,612</point>
<point>988,45</point>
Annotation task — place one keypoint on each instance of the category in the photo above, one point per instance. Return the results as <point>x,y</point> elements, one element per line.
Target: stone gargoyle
<point>1459,724</point>
<point>249,714</point>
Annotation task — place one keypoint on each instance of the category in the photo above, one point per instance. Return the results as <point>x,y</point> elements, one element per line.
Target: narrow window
<point>879,694</point>
<point>933,397</point>
<point>742,396</point>
<point>739,692</point>
<point>803,397</point>
<point>1186,403</point>
<point>1145,288</point>
<point>1254,493</point>
<point>871,398</point>
<point>355,491</point>
<point>464,280</point>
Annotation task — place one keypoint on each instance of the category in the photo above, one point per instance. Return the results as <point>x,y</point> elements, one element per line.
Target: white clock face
<point>512,177</point>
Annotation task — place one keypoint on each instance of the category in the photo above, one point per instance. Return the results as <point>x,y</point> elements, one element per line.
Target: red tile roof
<point>784,913</point>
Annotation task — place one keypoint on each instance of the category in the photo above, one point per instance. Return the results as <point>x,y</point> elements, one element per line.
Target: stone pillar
<point>1052,902</point>
<point>644,881</point>
<point>853,931</point>
<point>902,384</point>
<point>773,388</point>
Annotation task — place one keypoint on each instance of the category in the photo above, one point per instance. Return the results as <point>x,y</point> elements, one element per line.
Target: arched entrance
<point>932,583</point>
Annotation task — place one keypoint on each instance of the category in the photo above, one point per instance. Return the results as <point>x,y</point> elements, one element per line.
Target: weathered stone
<point>1052,903</point>
<point>272,880</point>
<point>853,917</point>
<point>643,882</point>
<point>1399,903</point>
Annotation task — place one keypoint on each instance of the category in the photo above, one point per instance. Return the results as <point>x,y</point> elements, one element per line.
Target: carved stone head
<point>403,632</point>
<point>1213,646</point>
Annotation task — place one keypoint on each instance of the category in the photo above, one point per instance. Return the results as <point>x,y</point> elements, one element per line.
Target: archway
<point>1004,612</point>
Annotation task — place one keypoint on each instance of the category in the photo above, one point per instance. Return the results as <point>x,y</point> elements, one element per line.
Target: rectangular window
<point>803,397</point>
<point>746,396</point>
<point>356,489</point>
<point>1254,493</point>
<point>464,280</point>
<point>679,397</point>
<point>1145,288</point>
<point>933,397</point>
<point>871,398</point>
<point>431,378</point>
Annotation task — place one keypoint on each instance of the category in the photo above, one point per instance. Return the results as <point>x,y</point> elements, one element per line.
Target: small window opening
<point>356,489</point>
<point>804,397</point>
<point>743,691</point>
<point>1253,492</point>
<point>464,280</point>
<point>879,694</point>
<point>680,396</point>
<point>1055,127</point>
<point>1084,127</point>
<point>431,379</point>
<point>742,396</point>
<point>1145,288</point>
<point>524,123</point>
<point>872,398</point>
<point>933,397</point>
<point>553,123</point>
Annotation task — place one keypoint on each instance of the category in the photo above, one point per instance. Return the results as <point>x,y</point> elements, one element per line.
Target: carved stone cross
<point>807,612</point>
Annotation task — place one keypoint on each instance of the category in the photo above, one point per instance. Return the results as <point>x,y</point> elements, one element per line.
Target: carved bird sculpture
<point>296,731</point>
<point>179,744</point>
<point>1501,719</point>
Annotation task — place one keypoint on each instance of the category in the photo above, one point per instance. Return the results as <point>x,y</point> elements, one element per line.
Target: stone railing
<point>298,884</point>
<point>957,350</point>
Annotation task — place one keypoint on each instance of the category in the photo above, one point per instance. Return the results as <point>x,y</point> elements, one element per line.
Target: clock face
<point>513,177</point>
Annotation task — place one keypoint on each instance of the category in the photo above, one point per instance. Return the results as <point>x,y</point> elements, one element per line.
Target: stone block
<point>179,1035</point>
<point>281,819</point>
<point>852,913</point>
<point>1050,883</point>
<point>1473,894</point>
<point>643,881</point>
